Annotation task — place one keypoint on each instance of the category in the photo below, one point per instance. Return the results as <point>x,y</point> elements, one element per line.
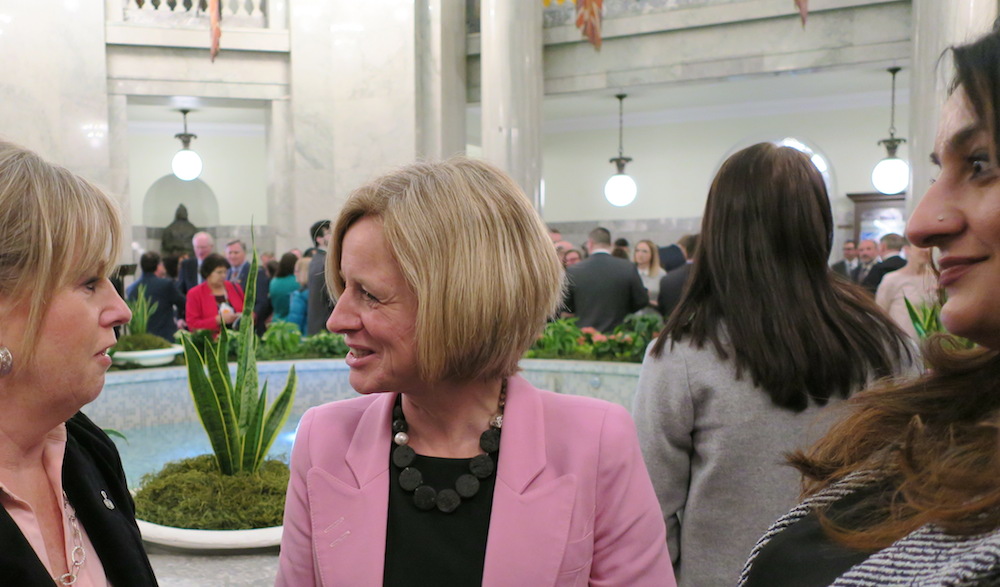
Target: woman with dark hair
<point>282,285</point>
<point>215,302</point>
<point>762,339</point>
<point>906,489</point>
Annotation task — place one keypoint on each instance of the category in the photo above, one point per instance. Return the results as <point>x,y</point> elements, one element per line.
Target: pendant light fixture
<point>186,164</point>
<point>891,175</point>
<point>620,189</point>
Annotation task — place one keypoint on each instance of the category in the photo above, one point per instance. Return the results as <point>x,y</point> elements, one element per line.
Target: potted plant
<point>236,487</point>
<point>138,346</point>
<point>926,319</point>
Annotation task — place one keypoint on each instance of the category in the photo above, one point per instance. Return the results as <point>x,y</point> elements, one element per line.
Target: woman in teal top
<point>282,286</point>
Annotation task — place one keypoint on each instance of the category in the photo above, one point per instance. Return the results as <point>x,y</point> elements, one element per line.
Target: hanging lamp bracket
<point>185,137</point>
<point>620,163</point>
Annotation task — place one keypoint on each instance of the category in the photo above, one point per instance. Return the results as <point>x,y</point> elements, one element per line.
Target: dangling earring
<point>6,361</point>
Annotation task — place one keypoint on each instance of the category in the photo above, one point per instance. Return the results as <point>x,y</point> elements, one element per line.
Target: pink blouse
<point>92,572</point>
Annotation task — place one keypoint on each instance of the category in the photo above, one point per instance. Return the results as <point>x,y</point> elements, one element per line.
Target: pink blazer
<point>572,505</point>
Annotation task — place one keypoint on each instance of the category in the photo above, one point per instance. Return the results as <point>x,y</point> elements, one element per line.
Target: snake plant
<point>235,415</point>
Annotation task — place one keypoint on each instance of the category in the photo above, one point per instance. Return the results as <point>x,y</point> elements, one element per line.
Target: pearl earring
<point>6,361</point>
<point>941,218</point>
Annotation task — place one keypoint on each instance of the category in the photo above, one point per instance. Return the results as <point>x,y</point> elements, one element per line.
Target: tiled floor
<point>237,570</point>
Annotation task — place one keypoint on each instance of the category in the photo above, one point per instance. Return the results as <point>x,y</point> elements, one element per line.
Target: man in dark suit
<point>671,287</point>
<point>890,246</point>
<point>671,257</point>
<point>602,290</point>
<point>188,275</point>
<point>847,265</point>
<point>676,255</point>
<point>169,300</point>
<point>672,284</point>
<point>867,259</point>
<point>320,304</point>
<point>239,272</point>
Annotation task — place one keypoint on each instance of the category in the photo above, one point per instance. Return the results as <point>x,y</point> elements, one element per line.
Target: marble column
<point>440,78</point>
<point>281,208</point>
<point>937,25</point>
<point>512,90</point>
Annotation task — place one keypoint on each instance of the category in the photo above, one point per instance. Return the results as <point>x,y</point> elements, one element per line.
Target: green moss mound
<point>192,493</point>
<point>140,342</point>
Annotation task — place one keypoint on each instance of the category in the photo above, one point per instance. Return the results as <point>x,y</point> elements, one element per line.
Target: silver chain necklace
<point>79,554</point>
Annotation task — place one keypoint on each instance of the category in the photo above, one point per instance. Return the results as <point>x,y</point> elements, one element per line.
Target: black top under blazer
<point>91,465</point>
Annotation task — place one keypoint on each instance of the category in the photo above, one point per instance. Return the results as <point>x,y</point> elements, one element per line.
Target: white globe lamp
<point>891,175</point>
<point>620,189</point>
<point>186,164</point>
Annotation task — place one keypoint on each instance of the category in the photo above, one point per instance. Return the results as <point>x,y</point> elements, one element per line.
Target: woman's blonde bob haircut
<point>55,228</point>
<point>475,253</point>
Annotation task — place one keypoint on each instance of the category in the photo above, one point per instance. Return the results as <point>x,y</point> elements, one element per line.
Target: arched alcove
<point>168,192</point>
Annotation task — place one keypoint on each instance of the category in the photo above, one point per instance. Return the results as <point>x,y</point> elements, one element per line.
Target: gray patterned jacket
<point>926,557</point>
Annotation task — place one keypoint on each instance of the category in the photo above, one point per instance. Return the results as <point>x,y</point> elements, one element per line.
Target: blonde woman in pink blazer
<point>451,469</point>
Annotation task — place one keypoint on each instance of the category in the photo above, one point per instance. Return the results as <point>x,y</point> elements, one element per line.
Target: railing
<point>180,13</point>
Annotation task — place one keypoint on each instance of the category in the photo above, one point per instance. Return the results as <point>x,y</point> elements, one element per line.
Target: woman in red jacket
<point>215,301</point>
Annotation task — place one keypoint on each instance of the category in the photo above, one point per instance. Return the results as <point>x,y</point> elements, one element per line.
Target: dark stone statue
<point>177,236</point>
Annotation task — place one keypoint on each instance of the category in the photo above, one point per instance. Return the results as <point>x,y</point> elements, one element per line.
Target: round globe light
<point>891,175</point>
<point>620,190</point>
<point>186,165</point>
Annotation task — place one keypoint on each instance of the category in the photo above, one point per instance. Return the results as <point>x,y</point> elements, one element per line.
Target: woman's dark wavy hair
<point>762,293</point>
<point>937,439</point>
<point>287,265</point>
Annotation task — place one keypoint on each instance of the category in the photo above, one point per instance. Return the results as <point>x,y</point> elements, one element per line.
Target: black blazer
<point>169,302</point>
<point>187,275</point>
<point>320,304</point>
<point>262,302</point>
<point>672,257</point>
<point>91,466</point>
<point>874,277</point>
<point>841,268</point>
<point>602,290</point>
<point>671,287</point>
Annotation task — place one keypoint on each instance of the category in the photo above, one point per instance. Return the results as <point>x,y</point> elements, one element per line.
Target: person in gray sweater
<point>764,337</point>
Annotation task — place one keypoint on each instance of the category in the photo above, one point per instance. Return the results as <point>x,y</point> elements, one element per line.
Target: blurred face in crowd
<point>642,254</point>
<point>217,277</point>
<point>235,255</point>
<point>571,258</point>
<point>850,251</point>
<point>203,246</point>
<point>867,251</point>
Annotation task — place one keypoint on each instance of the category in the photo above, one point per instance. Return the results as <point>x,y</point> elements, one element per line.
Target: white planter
<point>151,358</point>
<point>210,541</point>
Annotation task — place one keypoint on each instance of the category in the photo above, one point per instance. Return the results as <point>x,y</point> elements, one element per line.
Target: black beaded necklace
<point>481,466</point>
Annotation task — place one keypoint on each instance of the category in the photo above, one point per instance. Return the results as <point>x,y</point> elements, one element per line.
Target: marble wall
<point>54,88</point>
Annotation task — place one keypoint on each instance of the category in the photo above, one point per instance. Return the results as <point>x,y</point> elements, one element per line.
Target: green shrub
<point>140,342</point>
<point>560,339</point>
<point>141,311</point>
<point>926,319</point>
<point>282,340</point>
<point>325,344</point>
